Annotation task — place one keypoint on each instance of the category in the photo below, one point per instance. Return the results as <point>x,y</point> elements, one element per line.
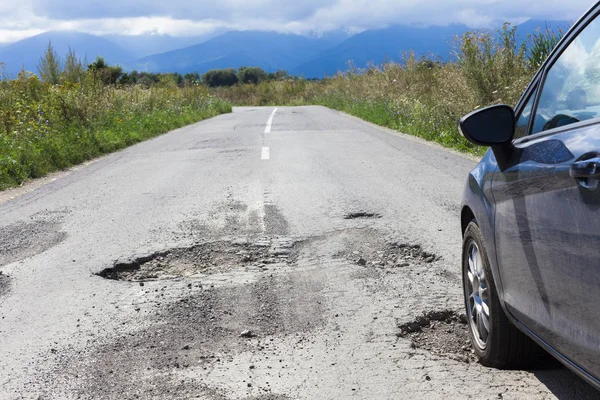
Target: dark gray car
<point>531,216</point>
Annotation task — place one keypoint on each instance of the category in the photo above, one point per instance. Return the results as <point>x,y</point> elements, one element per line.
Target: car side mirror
<point>490,126</point>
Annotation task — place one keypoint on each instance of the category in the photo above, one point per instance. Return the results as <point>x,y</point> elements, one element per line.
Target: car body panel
<point>541,229</point>
<point>478,200</point>
<point>547,240</point>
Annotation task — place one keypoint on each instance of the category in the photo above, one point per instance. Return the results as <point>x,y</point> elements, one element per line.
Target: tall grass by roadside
<point>46,127</point>
<point>419,96</point>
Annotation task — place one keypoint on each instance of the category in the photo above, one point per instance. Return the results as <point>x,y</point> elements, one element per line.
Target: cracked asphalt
<point>199,265</point>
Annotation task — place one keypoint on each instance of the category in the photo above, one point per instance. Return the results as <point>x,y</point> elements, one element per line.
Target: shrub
<point>49,66</point>
<point>251,75</point>
<point>108,74</point>
<point>541,45</point>
<point>220,77</point>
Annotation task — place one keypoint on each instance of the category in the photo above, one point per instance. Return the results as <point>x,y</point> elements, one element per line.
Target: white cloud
<point>189,17</point>
<point>9,36</point>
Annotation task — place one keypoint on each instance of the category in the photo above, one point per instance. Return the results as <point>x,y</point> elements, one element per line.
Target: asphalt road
<point>258,255</point>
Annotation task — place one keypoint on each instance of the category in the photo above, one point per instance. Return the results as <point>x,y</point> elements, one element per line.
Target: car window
<point>571,92</point>
<point>523,119</point>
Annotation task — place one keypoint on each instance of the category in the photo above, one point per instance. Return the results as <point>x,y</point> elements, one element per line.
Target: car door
<point>547,214</point>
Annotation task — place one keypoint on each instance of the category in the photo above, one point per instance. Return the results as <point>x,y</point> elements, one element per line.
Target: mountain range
<point>267,50</point>
<point>312,57</point>
<point>26,53</point>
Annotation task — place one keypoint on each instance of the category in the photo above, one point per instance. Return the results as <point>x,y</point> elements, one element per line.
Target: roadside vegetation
<point>70,112</point>
<point>424,97</point>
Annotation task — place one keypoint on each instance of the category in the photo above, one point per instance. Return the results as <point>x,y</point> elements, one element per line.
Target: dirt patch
<point>23,240</point>
<point>393,255</point>
<point>204,258</point>
<point>361,214</point>
<point>443,333</point>
<point>4,283</point>
<point>219,395</point>
<point>275,222</point>
<point>192,336</point>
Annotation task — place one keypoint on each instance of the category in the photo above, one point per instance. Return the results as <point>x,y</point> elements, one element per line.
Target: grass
<point>419,96</point>
<point>44,127</point>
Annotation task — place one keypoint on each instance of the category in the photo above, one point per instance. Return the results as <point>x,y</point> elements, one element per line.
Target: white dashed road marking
<point>265,153</point>
<point>270,122</point>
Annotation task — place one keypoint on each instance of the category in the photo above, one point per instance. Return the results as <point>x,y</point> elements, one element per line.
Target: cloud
<point>192,17</point>
<point>285,10</point>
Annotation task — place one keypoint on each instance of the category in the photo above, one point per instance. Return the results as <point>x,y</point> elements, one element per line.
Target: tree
<point>146,81</point>
<point>251,75</point>
<point>73,68</point>
<point>49,66</point>
<point>134,76</point>
<point>170,79</point>
<point>108,74</point>
<point>149,78</point>
<point>277,75</point>
<point>191,78</point>
<point>125,79</point>
<point>220,77</point>
<point>98,64</point>
<point>178,78</point>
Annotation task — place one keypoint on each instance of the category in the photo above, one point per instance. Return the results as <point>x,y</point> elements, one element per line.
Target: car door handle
<point>588,169</point>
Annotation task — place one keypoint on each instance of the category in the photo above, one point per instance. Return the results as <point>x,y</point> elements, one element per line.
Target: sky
<point>23,18</point>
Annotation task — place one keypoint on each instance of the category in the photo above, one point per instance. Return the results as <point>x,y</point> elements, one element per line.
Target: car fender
<point>478,203</point>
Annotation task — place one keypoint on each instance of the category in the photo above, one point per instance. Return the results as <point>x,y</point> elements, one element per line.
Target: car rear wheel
<point>496,341</point>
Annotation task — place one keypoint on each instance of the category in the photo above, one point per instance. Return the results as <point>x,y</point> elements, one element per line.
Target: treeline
<point>212,78</point>
<point>55,70</point>
<point>247,75</point>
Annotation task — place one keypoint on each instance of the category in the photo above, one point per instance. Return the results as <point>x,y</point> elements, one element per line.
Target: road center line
<point>265,153</point>
<point>270,121</point>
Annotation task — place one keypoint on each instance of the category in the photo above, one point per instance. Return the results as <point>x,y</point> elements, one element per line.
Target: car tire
<point>496,341</point>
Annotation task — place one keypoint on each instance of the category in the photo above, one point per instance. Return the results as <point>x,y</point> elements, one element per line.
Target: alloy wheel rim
<point>478,296</point>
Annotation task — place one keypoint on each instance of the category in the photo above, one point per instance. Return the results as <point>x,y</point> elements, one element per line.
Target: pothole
<point>443,333</point>
<point>394,255</point>
<point>203,258</point>
<point>361,214</point>
<point>194,334</point>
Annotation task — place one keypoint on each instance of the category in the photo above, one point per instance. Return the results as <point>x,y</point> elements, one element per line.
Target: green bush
<point>251,75</point>
<point>220,77</point>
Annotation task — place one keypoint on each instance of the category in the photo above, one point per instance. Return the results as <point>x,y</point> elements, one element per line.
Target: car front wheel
<point>496,341</point>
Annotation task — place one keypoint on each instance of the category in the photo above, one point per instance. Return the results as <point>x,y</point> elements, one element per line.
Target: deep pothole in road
<point>200,332</point>
<point>443,333</point>
<point>204,258</point>
<point>361,214</point>
<point>394,255</point>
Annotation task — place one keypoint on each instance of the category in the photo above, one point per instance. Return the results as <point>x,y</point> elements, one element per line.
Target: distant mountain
<point>313,57</point>
<point>379,45</point>
<point>268,50</point>
<point>231,59</point>
<point>27,52</point>
<point>148,44</point>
